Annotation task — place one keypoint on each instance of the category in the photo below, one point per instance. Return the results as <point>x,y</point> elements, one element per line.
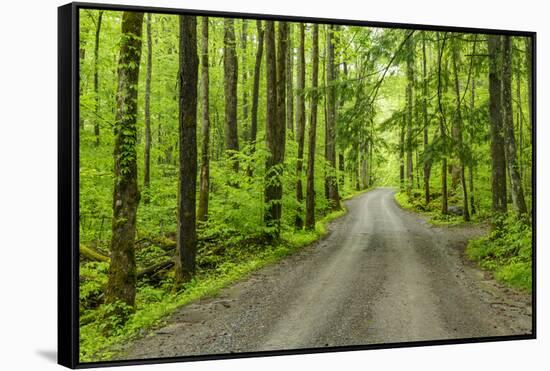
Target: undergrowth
<point>506,251</point>
<point>101,332</point>
<point>416,202</point>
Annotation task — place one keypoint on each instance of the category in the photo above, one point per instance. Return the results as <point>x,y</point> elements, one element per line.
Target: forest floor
<point>382,275</point>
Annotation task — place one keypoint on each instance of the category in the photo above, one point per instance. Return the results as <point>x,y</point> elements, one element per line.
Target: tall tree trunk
<point>444,195</point>
<point>230,90</point>
<point>147,152</point>
<point>204,187</point>
<point>289,82</point>
<point>427,160</point>
<point>275,124</point>
<point>122,270</point>
<point>519,120</point>
<point>188,79</point>
<point>333,196</point>
<point>300,123</point>
<point>312,134</point>
<point>358,167</point>
<point>81,59</point>
<point>471,162</point>
<point>498,183</point>
<point>244,73</point>
<point>341,167</point>
<point>402,155</point>
<point>410,95</point>
<point>529,65</point>
<point>365,164</point>
<point>96,76</point>
<point>509,138</point>
<point>255,91</point>
<point>458,125</point>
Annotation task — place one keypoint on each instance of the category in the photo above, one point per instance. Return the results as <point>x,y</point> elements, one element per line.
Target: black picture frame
<point>68,183</point>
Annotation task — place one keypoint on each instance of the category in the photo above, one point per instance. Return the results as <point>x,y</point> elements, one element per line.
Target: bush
<point>506,251</point>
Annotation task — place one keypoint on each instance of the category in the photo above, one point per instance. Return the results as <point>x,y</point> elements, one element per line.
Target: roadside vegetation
<point>210,147</point>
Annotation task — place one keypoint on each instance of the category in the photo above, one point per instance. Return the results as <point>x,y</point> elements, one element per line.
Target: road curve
<point>383,275</point>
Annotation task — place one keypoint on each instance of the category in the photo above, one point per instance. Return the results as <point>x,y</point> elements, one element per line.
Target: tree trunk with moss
<point>96,76</point>
<point>275,124</point>
<point>459,125</point>
<point>332,181</point>
<point>410,95</point>
<point>121,285</point>
<point>427,166</point>
<point>188,78</point>
<point>509,136</point>
<point>255,92</point>
<point>204,187</point>
<point>147,152</point>
<point>312,135</point>
<point>498,168</point>
<point>230,90</point>
<point>300,124</point>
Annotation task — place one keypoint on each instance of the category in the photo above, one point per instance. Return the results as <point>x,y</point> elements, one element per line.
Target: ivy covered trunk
<point>121,285</point>
<point>188,77</point>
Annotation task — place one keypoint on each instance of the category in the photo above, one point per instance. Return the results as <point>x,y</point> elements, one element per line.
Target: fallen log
<point>92,254</point>
<point>155,268</point>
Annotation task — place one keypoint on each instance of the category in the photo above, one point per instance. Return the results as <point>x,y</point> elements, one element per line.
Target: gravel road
<point>382,275</point>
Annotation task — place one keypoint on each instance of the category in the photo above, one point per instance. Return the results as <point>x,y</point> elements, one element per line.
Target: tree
<point>498,162</point>
<point>312,135</point>
<point>332,181</point>
<point>529,66</point>
<point>410,95</point>
<point>188,77</point>
<point>244,69</point>
<point>458,125</point>
<point>289,82</point>
<point>204,187</point>
<point>275,124</point>
<point>230,90</point>
<point>256,90</point>
<point>471,132</point>
<point>508,123</point>
<point>442,124</point>
<point>122,270</point>
<point>427,159</point>
<point>403,124</point>
<point>300,123</point>
<point>147,152</point>
<point>96,76</point>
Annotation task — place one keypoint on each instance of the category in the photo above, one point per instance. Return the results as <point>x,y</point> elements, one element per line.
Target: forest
<point>210,147</point>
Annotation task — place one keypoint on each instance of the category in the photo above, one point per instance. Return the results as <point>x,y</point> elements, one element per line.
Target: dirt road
<point>382,275</point>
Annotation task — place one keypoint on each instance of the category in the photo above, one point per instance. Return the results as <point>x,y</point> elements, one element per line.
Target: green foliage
<point>506,251</point>
<point>234,240</point>
<point>416,203</point>
<point>105,328</point>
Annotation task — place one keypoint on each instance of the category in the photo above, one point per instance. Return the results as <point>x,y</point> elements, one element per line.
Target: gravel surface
<point>383,275</point>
